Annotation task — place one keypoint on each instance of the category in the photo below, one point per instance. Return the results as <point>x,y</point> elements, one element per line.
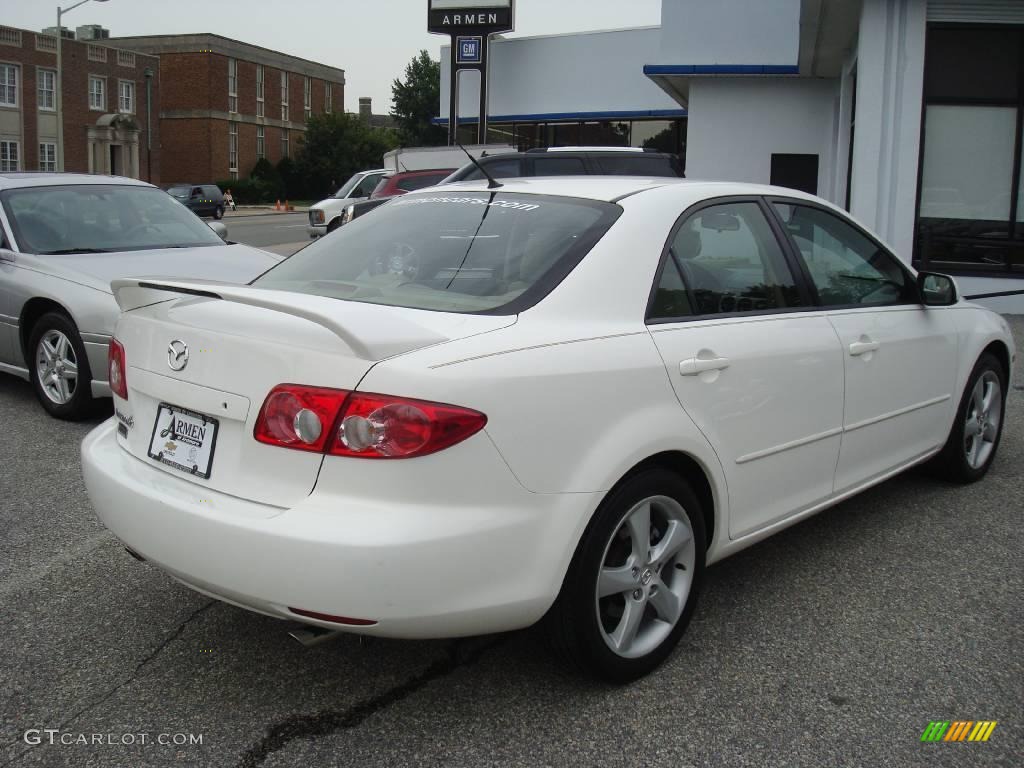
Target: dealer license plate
<point>184,439</point>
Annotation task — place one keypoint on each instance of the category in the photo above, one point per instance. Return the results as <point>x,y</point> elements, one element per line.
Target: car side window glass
<point>558,166</point>
<point>732,262</point>
<point>413,183</point>
<point>846,266</point>
<point>366,186</point>
<point>197,191</point>
<point>670,297</point>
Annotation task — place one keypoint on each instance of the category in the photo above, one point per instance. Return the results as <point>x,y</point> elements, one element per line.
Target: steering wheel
<point>140,227</point>
<point>400,259</point>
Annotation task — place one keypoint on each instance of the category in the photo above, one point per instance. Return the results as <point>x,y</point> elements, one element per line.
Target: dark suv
<point>575,161</point>
<point>201,199</point>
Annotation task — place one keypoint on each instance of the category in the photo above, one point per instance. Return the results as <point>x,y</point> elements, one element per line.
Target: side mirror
<point>936,290</point>
<point>220,229</point>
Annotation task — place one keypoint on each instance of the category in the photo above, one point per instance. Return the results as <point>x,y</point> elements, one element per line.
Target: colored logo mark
<point>958,730</point>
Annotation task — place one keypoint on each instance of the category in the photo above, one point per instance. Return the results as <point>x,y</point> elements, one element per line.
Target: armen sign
<point>488,16</point>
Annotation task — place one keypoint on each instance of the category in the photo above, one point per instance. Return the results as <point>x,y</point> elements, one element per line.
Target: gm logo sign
<point>469,50</point>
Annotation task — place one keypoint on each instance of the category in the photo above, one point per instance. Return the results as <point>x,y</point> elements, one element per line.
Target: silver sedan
<point>63,238</point>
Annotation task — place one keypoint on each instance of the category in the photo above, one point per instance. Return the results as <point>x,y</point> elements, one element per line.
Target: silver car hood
<point>228,263</point>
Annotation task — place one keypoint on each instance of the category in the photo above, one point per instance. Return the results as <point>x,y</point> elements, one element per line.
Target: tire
<point>973,443</point>
<point>584,628</point>
<point>50,366</point>
<point>335,223</point>
<point>218,213</point>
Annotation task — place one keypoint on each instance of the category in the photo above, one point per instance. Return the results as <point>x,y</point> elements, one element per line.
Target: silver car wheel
<point>984,415</point>
<point>57,366</point>
<point>645,577</point>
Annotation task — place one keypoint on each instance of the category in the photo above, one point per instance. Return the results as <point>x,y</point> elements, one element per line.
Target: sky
<point>372,40</point>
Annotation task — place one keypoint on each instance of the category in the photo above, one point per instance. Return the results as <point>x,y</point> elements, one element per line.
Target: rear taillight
<point>299,417</point>
<point>367,426</point>
<point>117,370</point>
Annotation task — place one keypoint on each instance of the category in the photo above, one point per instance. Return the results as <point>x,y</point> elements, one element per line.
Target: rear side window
<point>558,166</point>
<point>627,164</point>
<point>474,252</point>
<point>211,192</point>
<point>846,266</point>
<point>412,183</point>
<point>731,261</point>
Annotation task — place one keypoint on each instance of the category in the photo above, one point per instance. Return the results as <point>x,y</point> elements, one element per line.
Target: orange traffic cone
<point>277,206</point>
<point>287,206</point>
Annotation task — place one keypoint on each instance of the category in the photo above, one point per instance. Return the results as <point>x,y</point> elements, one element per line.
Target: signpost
<point>469,24</point>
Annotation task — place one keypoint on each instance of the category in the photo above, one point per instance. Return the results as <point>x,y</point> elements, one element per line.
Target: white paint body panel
<point>578,390</point>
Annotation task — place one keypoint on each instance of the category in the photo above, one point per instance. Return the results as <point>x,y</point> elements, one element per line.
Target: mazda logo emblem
<point>177,355</point>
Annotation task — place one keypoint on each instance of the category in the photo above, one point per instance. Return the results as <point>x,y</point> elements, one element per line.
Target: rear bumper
<point>427,568</point>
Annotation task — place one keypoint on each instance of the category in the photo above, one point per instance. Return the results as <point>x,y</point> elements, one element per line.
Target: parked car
<point>325,216</point>
<point>393,185</point>
<point>63,238</point>
<point>201,199</point>
<point>560,399</point>
<point>574,161</point>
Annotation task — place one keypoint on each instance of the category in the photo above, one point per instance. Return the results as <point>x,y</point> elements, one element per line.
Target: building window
<point>327,98</point>
<point>259,90</point>
<point>48,156</point>
<point>971,202</point>
<point>232,85</point>
<point>98,93</point>
<point>307,97</point>
<point>97,53</point>
<point>8,85</point>
<point>126,96</point>
<point>284,95</point>
<point>233,150</point>
<point>284,142</point>
<point>261,150</point>
<point>126,59</point>
<point>9,155</point>
<point>46,82</point>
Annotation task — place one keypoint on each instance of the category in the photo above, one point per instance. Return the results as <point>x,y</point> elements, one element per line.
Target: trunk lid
<point>241,345</point>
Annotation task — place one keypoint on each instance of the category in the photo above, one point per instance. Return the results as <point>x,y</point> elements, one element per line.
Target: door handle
<point>697,365</point>
<point>863,347</point>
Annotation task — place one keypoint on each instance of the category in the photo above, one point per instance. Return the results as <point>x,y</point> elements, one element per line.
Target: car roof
<point>46,179</point>
<point>614,188</point>
<point>420,172</point>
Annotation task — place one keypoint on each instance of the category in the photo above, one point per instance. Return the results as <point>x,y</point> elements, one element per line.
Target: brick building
<point>107,94</point>
<point>226,103</point>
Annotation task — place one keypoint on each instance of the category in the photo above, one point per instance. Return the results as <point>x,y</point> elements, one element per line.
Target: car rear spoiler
<point>370,331</point>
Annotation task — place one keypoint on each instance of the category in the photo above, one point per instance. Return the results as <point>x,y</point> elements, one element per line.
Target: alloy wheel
<point>645,576</point>
<point>57,366</point>
<point>984,415</point>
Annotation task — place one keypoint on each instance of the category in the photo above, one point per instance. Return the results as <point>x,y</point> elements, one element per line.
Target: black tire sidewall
<point>577,598</point>
<point>218,213</point>
<point>335,223</point>
<point>81,402</point>
<point>955,461</point>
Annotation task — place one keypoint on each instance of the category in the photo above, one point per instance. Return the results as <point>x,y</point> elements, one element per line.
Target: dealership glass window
<point>46,86</point>
<point>259,90</point>
<point>48,156</point>
<point>232,85</point>
<point>501,133</point>
<point>605,134</point>
<point>970,189</point>
<point>126,96</point>
<point>233,150</point>
<point>8,85</point>
<point>9,155</point>
<point>98,93</point>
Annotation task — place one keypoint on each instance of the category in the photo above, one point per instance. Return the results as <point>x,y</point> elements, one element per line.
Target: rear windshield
<point>476,252</point>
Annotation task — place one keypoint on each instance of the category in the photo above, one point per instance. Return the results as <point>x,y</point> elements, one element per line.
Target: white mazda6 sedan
<point>558,398</point>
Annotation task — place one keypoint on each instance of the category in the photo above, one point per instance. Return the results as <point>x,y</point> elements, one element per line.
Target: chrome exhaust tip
<point>309,635</point>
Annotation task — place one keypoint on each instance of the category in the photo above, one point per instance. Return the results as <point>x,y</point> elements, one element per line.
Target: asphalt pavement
<point>282,233</point>
<point>833,643</point>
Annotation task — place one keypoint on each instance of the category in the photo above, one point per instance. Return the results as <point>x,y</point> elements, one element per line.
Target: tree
<point>416,103</point>
<point>335,146</point>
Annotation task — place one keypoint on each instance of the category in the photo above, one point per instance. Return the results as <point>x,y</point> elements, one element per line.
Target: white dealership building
<point>909,113</point>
